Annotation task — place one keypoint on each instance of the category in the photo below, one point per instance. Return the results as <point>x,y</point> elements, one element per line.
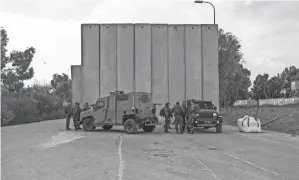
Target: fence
<point>271,102</point>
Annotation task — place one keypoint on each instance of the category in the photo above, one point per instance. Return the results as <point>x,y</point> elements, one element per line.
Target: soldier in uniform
<point>178,114</point>
<point>76,116</point>
<point>167,114</point>
<point>68,115</point>
<point>191,114</point>
<point>184,109</point>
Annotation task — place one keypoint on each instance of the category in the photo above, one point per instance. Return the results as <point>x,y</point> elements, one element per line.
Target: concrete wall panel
<point>193,62</point>
<point>76,84</point>
<point>143,57</point>
<point>90,62</point>
<point>108,67</point>
<point>125,57</point>
<point>159,63</point>
<point>210,63</point>
<point>176,40</point>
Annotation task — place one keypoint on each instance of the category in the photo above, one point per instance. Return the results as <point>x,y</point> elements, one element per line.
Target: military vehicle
<point>208,117</point>
<point>132,110</point>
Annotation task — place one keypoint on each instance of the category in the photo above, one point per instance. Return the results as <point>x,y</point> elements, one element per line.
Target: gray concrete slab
<point>76,84</point>
<point>108,59</point>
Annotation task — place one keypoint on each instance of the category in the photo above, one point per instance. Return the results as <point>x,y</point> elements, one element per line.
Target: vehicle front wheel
<point>130,126</point>
<point>88,124</point>
<point>219,128</point>
<point>149,128</point>
<point>107,127</point>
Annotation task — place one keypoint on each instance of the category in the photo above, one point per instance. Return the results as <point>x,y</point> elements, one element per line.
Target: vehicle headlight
<point>214,115</point>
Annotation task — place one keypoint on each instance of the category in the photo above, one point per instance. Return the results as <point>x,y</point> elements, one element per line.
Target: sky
<point>268,30</point>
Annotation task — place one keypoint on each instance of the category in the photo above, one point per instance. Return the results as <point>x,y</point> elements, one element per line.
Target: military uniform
<point>167,114</point>
<point>179,121</point>
<point>76,116</point>
<point>68,115</point>
<point>184,113</point>
<point>191,114</point>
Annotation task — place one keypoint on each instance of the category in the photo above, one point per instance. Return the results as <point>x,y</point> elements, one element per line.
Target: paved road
<point>44,151</point>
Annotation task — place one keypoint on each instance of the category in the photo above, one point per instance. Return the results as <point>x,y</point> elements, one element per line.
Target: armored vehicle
<point>132,110</point>
<point>208,116</point>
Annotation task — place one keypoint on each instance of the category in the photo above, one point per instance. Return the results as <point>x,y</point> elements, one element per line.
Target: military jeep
<point>208,117</point>
<point>132,110</point>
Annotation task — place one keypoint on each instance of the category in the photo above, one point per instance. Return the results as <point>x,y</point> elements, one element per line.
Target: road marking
<point>253,137</point>
<point>61,138</point>
<point>206,168</point>
<point>121,161</point>
<point>242,160</point>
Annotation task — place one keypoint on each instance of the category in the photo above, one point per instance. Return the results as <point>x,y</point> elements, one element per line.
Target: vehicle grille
<point>206,115</point>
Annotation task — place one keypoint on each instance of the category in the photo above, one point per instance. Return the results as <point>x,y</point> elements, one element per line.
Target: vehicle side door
<point>101,108</point>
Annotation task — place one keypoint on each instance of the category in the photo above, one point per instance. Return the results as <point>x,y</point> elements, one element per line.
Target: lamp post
<point>200,2</point>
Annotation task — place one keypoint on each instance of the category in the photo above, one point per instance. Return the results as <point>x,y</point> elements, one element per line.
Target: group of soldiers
<point>73,112</point>
<point>184,115</point>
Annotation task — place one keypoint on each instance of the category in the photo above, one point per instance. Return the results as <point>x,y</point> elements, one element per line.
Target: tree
<point>288,75</point>
<point>15,68</point>
<point>61,85</point>
<point>259,89</point>
<point>274,87</point>
<point>234,79</point>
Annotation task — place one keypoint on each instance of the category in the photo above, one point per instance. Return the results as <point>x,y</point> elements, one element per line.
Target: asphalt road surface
<point>45,151</point>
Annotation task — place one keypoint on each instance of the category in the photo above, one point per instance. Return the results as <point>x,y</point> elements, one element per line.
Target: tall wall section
<point>173,62</point>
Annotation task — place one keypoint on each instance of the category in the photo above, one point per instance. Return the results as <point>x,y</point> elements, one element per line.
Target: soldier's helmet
<point>167,104</point>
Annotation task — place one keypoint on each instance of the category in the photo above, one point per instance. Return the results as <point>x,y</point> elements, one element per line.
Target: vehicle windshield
<point>204,105</point>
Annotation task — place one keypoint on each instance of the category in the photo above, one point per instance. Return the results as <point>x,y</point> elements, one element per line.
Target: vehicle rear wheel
<point>149,128</point>
<point>107,127</point>
<point>88,124</point>
<point>219,128</point>
<point>130,126</point>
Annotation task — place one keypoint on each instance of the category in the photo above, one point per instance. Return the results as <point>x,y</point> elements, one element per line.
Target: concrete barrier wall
<point>90,51</point>
<point>210,63</point>
<point>176,62</point>
<point>108,59</point>
<point>160,63</point>
<point>143,56</point>
<point>173,62</point>
<point>193,54</point>
<point>76,84</point>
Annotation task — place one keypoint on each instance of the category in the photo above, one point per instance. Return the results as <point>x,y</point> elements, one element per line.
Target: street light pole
<point>200,2</point>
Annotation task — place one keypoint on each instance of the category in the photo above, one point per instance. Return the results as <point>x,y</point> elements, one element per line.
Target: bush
<point>30,105</point>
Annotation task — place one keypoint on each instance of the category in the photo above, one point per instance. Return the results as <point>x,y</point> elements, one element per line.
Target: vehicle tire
<point>149,128</point>
<point>130,126</point>
<point>88,124</point>
<point>219,128</point>
<point>206,127</point>
<point>107,127</point>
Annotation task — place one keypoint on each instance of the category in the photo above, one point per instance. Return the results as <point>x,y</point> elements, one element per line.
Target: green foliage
<point>15,68</point>
<point>61,84</point>
<point>234,79</point>
<point>264,88</point>
<point>21,105</point>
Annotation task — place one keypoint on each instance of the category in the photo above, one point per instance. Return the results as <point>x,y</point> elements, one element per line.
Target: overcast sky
<point>268,30</point>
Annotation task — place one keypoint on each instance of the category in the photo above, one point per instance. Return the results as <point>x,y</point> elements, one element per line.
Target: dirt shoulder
<point>281,119</point>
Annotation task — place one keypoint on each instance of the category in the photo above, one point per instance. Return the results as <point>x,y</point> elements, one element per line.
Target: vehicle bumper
<point>148,121</point>
<point>207,122</point>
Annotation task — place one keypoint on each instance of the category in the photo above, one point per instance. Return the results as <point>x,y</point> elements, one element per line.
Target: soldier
<point>184,109</point>
<point>76,116</point>
<point>167,114</point>
<point>191,114</point>
<point>178,114</point>
<point>68,115</point>
<point>86,106</point>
